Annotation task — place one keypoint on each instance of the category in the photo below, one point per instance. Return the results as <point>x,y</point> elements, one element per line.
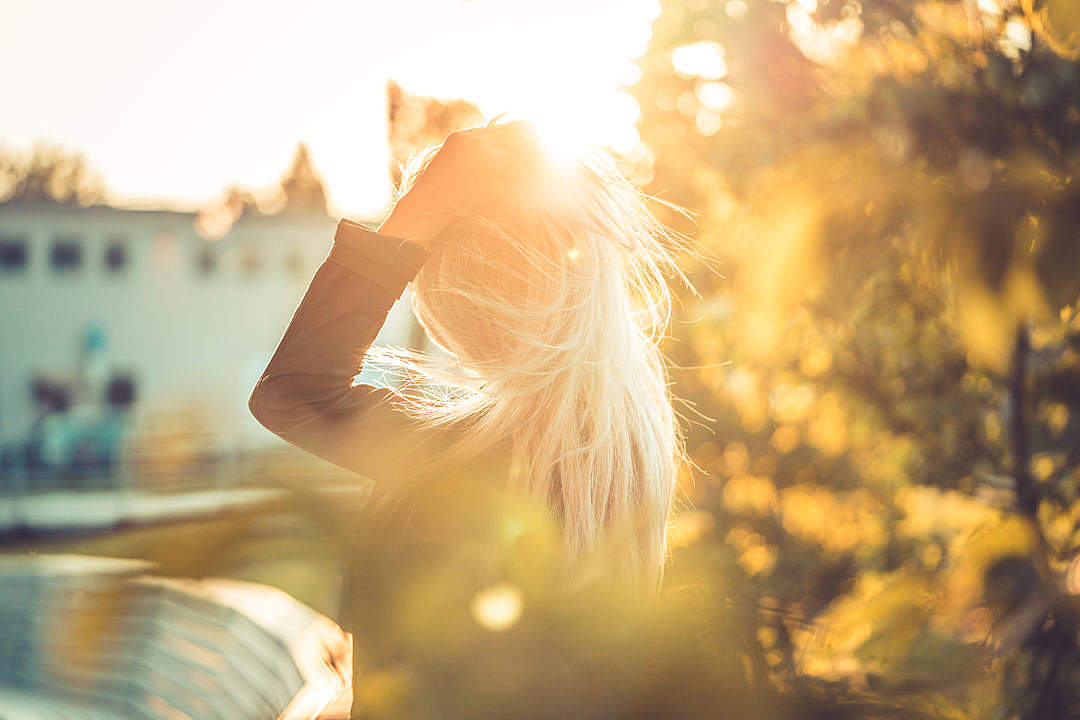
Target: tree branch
<point>1027,499</point>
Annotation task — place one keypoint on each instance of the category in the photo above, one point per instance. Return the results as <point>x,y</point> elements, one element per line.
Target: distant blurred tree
<point>300,190</point>
<point>416,122</point>
<point>302,187</point>
<point>892,192</point>
<point>48,174</point>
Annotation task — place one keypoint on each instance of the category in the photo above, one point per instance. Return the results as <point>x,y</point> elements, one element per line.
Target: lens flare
<point>498,607</point>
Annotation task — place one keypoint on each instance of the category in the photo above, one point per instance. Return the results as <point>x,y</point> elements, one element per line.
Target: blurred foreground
<point>86,637</point>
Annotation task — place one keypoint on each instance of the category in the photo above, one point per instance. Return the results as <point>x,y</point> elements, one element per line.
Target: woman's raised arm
<point>306,394</point>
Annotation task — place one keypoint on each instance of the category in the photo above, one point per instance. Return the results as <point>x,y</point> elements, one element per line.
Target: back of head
<point>552,301</point>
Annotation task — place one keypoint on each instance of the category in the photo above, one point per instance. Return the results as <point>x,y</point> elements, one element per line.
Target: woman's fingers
<point>477,150</point>
<point>473,166</point>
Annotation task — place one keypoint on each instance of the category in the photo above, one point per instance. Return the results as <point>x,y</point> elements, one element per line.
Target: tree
<point>302,187</point>
<point>891,192</point>
<point>300,190</point>
<point>416,122</point>
<point>49,174</point>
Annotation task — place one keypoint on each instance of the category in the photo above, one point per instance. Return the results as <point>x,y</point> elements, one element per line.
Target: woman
<point>545,285</point>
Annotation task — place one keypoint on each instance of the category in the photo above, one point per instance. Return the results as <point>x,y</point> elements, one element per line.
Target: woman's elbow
<point>255,401</point>
<point>265,409</point>
<point>283,403</point>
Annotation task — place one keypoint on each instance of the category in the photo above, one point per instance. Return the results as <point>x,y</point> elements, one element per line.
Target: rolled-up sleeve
<point>306,395</point>
<point>389,261</point>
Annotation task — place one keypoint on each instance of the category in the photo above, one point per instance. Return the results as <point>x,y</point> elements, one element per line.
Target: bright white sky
<point>173,101</point>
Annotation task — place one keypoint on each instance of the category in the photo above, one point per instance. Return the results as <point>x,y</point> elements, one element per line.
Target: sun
<point>606,121</point>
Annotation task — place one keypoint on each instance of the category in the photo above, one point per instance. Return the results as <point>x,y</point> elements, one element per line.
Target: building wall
<point>194,340</point>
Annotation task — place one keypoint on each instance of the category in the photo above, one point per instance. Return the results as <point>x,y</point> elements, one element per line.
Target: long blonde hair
<point>551,302</point>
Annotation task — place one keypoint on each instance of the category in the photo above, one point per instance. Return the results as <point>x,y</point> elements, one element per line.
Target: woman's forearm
<point>307,386</point>
<point>413,219</point>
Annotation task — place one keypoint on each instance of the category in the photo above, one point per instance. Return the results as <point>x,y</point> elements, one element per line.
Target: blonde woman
<point>544,282</point>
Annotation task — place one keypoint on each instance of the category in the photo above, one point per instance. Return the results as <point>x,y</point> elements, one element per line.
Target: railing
<point>170,477</point>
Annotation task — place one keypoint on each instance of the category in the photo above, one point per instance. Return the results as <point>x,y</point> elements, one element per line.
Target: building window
<point>121,391</point>
<point>116,256</point>
<point>206,262</point>
<point>66,255</point>
<point>13,254</point>
<point>49,395</point>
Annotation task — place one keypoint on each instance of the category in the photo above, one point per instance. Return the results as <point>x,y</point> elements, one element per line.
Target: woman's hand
<point>466,173</point>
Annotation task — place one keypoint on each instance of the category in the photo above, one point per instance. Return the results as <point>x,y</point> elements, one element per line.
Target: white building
<point>88,294</point>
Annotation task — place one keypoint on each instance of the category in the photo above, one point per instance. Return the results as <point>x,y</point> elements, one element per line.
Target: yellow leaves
<point>886,620</point>
<point>1044,464</point>
<point>828,430</point>
<point>767,636</point>
<point>945,17</point>
<point>836,522</point>
<point>930,512</point>
<point>871,629</point>
<point>744,387</point>
<point>750,495</point>
<point>816,361</point>
<point>987,320</point>
<point>1012,535</point>
<point>931,556</point>
<point>736,458</point>
<point>781,268</point>
<point>975,552</point>
<point>1056,417</point>
<point>985,332</point>
<point>805,511</point>
<point>1059,525</point>
<point>785,438</point>
<point>1058,21</point>
<point>790,402</point>
<point>977,536</point>
<point>992,426</point>
<point>758,559</point>
<point>1072,577</point>
<point>906,59</point>
<point>755,555</point>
